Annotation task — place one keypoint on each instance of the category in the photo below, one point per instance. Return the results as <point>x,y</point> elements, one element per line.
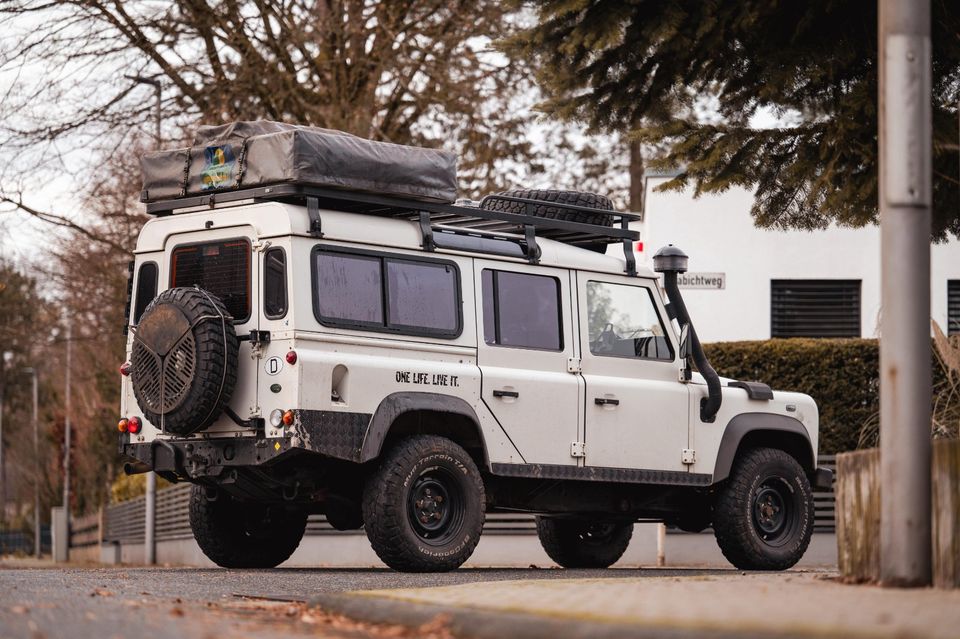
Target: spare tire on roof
<point>184,360</point>
<point>576,198</point>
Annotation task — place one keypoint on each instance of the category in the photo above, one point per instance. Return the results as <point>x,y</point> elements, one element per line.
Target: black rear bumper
<point>177,460</point>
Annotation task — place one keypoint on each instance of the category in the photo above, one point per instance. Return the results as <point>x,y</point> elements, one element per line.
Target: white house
<point>750,283</point>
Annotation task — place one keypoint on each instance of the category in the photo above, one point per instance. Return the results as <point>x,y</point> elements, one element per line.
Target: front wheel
<point>763,515</point>
<point>237,534</point>
<point>423,509</point>
<point>579,543</point>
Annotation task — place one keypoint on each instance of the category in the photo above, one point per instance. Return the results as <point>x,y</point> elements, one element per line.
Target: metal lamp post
<point>7,358</point>
<point>36,462</point>
<point>150,546</point>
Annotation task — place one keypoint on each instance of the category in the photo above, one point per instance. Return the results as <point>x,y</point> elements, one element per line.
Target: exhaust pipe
<point>136,468</point>
<point>671,261</point>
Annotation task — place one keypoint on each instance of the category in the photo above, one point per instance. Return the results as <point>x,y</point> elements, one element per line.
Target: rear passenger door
<point>526,340</point>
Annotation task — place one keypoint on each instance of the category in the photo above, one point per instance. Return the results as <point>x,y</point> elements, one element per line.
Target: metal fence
<point>125,521</point>
<point>21,542</point>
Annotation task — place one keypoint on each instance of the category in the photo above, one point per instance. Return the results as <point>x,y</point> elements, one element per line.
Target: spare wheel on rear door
<point>184,360</point>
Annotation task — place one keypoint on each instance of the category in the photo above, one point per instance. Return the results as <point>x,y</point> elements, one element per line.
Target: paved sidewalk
<point>803,604</point>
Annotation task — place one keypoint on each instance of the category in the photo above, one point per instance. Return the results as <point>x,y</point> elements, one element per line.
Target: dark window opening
<point>953,307</point>
<point>521,310</point>
<point>815,308</point>
<point>146,289</point>
<point>222,268</point>
<point>389,294</point>
<point>275,283</point>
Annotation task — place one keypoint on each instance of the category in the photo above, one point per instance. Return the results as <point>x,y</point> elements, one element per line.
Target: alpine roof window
<point>395,294</point>
<point>222,268</point>
<point>521,310</point>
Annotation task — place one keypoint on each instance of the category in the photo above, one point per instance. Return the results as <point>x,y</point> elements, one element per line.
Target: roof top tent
<point>321,168</point>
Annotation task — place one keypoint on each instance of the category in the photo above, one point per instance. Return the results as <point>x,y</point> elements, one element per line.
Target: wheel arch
<point>411,413</point>
<point>770,430</point>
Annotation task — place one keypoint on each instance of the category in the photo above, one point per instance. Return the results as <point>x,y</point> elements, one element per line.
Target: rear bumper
<point>191,459</point>
<point>822,479</point>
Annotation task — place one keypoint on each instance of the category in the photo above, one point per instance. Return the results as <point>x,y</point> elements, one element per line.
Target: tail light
<point>292,357</point>
<point>134,425</point>
<point>288,418</point>
<point>125,369</point>
<point>123,425</point>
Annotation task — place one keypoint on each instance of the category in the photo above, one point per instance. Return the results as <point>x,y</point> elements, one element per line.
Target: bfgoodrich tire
<point>576,198</point>
<point>763,514</point>
<point>579,543</point>
<point>235,534</point>
<point>423,508</point>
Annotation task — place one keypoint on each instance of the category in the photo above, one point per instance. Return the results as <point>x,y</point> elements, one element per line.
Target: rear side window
<point>146,289</point>
<point>223,268</point>
<point>521,310</point>
<point>386,293</point>
<point>275,283</point>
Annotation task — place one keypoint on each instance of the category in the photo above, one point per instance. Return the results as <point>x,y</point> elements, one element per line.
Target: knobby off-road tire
<point>577,198</point>
<point>423,508</point>
<point>235,534</point>
<point>578,543</point>
<point>184,360</point>
<point>763,515</point>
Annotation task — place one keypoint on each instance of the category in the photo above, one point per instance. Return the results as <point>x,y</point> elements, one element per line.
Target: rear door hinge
<point>688,456</point>
<point>573,365</point>
<point>578,449</point>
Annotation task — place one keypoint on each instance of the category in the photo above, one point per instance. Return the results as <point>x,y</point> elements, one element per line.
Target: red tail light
<point>134,425</point>
<point>292,357</point>
<point>125,369</point>
<point>288,418</point>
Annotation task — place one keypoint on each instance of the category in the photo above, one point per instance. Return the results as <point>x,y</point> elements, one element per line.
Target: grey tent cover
<point>250,154</point>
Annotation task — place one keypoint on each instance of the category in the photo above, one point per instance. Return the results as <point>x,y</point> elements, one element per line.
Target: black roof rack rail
<point>428,214</point>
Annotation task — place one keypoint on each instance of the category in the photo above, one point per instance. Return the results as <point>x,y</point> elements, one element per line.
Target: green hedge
<point>842,376</point>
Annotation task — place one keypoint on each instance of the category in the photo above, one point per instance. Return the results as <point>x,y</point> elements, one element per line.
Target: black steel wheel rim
<point>598,533</point>
<point>435,506</point>
<point>774,511</point>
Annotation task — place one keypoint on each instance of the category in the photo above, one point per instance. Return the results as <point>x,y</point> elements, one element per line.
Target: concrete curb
<point>478,623</point>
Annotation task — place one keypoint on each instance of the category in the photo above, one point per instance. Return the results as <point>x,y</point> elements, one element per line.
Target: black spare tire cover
<point>184,360</point>
<point>576,198</point>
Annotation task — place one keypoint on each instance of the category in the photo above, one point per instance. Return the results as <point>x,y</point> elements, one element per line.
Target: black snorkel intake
<point>671,261</point>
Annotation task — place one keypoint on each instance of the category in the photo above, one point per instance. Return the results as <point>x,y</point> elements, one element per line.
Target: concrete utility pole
<point>149,542</point>
<point>36,462</point>
<point>905,358</point>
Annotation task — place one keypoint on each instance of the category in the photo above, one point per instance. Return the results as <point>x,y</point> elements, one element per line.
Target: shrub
<point>842,376</point>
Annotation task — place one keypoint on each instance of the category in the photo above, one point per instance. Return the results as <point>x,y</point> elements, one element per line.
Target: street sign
<point>716,281</point>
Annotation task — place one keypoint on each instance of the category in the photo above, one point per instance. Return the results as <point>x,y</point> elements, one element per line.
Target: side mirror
<point>685,342</point>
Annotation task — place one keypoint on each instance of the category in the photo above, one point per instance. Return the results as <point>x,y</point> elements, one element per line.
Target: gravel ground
<point>174,603</point>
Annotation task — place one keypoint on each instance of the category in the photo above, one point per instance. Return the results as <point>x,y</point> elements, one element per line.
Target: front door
<point>636,407</point>
<point>525,343</point>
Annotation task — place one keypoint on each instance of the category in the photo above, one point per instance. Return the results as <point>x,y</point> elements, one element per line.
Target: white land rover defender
<point>316,328</point>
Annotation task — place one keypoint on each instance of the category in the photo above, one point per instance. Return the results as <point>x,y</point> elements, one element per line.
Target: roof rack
<point>442,225</point>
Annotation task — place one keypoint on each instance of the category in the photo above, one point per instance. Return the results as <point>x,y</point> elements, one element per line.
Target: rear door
<point>222,262</point>
<point>636,407</point>
<point>525,343</point>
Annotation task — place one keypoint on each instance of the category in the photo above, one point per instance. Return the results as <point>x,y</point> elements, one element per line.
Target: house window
<point>815,308</point>
<point>953,307</point>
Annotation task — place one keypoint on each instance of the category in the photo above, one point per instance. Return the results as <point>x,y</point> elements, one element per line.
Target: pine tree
<point>691,76</point>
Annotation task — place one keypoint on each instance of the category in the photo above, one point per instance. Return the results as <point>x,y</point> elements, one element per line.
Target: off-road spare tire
<point>545,210</point>
<point>184,360</point>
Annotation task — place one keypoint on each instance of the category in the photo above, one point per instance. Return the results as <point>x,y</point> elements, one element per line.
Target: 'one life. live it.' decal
<point>427,379</point>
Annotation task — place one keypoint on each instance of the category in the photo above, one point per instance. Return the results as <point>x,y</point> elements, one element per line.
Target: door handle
<point>505,393</point>
<point>603,401</point>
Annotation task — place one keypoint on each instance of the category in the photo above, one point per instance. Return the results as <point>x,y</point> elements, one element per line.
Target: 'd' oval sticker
<point>273,365</point>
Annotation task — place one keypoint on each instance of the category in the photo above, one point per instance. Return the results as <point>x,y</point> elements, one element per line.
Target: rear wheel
<point>578,543</point>
<point>235,534</point>
<point>423,509</point>
<point>763,516</point>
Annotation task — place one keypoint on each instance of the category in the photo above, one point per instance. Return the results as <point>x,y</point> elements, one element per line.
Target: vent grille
<point>815,308</point>
<point>953,307</point>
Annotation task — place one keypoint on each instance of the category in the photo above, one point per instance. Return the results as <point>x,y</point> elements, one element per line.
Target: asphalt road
<point>173,603</point>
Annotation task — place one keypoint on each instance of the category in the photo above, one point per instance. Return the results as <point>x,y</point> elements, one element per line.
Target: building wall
<point>718,234</point>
